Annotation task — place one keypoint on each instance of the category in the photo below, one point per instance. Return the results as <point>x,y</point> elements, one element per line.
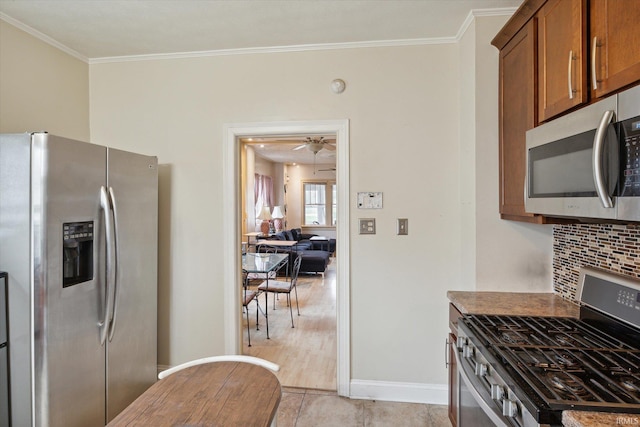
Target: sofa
<point>315,259</point>
<point>295,234</point>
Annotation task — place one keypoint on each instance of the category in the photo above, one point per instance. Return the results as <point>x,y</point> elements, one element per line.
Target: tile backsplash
<point>610,247</point>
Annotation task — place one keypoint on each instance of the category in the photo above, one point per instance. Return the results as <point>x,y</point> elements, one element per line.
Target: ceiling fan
<point>316,144</point>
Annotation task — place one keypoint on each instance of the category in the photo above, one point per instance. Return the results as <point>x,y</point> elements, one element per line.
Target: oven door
<point>475,406</point>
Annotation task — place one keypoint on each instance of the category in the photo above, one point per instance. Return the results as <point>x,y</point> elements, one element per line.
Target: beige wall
<point>434,105</point>
<point>41,87</point>
<point>497,255</point>
<point>402,106</point>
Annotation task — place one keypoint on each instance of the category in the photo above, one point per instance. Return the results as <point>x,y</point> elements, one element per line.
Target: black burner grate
<point>567,362</point>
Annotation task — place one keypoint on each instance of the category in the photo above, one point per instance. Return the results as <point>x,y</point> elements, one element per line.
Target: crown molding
<point>474,13</point>
<point>277,49</point>
<point>42,37</point>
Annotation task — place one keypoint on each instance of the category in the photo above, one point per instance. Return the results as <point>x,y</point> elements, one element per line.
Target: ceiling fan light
<point>314,147</point>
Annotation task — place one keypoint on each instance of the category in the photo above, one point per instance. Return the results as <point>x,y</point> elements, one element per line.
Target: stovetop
<point>568,363</point>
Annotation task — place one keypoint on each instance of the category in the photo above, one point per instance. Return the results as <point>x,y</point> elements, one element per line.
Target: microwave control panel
<point>630,138</point>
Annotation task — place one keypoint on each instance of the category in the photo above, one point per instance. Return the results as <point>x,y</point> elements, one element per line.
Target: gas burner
<point>565,383</point>
<point>513,337</point>
<point>565,359</point>
<point>630,384</point>
<point>563,362</point>
<point>565,340</point>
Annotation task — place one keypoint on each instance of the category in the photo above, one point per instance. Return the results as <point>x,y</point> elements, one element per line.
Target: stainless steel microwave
<point>587,164</point>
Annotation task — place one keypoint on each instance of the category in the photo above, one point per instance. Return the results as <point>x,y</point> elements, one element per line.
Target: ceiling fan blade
<point>299,147</point>
<point>330,147</point>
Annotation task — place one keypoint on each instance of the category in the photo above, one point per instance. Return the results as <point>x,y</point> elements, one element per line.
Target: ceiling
<point>108,30</point>
<point>283,149</point>
<point>115,28</point>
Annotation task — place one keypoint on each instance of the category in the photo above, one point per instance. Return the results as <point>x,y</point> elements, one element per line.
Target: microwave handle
<point>598,168</point>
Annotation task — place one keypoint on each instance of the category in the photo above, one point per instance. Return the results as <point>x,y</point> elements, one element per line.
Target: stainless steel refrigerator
<point>78,224</point>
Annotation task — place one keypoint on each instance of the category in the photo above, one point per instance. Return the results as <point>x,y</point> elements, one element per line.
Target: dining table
<point>264,263</point>
<point>206,395</point>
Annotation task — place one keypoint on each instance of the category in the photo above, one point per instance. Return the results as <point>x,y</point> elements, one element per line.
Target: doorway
<point>231,216</point>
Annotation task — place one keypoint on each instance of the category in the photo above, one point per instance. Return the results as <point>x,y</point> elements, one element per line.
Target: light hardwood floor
<point>307,353</point>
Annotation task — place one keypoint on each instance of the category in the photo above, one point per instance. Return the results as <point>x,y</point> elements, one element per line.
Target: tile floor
<point>304,407</point>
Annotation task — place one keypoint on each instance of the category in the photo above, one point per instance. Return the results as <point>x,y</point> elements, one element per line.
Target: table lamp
<point>277,216</point>
<point>265,216</point>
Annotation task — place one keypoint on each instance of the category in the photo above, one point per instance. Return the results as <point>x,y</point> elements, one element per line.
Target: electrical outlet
<point>367,225</point>
<point>403,227</point>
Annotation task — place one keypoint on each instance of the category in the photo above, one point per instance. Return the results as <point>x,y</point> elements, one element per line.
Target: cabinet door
<point>517,115</point>
<point>615,41</point>
<point>562,57</point>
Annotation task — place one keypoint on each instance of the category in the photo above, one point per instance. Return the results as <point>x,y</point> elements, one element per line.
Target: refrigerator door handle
<point>116,251</point>
<point>105,205</point>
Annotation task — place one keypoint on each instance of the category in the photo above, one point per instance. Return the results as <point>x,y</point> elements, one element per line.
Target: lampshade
<point>277,213</point>
<point>265,213</point>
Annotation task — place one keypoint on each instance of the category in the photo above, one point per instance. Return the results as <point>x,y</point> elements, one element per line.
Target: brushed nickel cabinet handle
<point>594,68</point>
<point>446,353</point>
<point>570,74</point>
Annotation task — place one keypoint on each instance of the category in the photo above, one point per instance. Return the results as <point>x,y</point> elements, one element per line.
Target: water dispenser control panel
<point>77,246</point>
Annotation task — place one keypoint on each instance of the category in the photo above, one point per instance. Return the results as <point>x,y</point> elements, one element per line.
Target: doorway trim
<point>231,218</point>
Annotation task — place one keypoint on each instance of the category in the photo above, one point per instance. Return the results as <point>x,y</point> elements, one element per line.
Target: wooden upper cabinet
<point>557,56</point>
<point>562,57</point>
<point>614,45</point>
<point>517,65</point>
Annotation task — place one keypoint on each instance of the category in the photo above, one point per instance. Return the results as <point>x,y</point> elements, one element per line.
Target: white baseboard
<point>434,394</point>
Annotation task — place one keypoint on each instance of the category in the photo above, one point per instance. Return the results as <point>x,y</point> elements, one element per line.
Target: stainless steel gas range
<point>525,371</point>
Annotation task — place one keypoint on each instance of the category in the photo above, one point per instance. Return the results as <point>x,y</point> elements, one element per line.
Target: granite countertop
<point>537,304</point>
<point>513,303</point>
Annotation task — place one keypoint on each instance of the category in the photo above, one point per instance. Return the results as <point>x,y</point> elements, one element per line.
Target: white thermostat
<point>370,200</point>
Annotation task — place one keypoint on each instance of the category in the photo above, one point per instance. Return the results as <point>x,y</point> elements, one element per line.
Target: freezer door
<point>4,385</point>
<point>68,360</point>
<point>3,308</point>
<point>132,343</point>
<point>4,356</point>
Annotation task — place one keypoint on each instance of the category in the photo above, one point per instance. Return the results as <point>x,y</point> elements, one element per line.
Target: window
<point>320,203</point>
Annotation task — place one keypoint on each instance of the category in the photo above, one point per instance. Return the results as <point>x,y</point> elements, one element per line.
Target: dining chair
<point>284,287</point>
<point>249,295</point>
<point>224,358</point>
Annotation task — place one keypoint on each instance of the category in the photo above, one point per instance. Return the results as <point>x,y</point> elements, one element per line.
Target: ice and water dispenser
<point>77,263</point>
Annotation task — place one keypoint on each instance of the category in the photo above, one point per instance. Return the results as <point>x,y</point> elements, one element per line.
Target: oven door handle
<point>495,416</point>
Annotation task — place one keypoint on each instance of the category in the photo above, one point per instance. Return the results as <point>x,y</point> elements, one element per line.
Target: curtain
<point>263,194</point>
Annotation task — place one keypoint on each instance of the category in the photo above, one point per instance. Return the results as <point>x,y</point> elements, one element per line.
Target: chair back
<point>265,248</point>
<point>225,358</point>
<point>296,270</point>
<point>245,279</point>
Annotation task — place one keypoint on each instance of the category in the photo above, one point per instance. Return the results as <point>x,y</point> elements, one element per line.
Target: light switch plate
<point>403,227</point>
<point>367,225</point>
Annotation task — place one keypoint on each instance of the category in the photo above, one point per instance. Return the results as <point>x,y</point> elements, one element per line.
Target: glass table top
<point>262,263</point>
